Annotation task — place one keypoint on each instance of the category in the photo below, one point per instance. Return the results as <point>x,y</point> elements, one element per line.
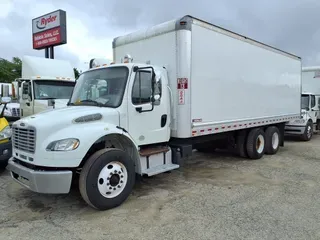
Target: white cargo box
<point>221,81</point>
<point>46,68</point>
<point>311,80</point>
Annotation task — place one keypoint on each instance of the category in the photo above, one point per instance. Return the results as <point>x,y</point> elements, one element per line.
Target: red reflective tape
<point>229,126</point>
<point>235,126</point>
<point>223,127</point>
<point>210,129</point>
<point>240,125</point>
<point>202,130</point>
<point>216,129</point>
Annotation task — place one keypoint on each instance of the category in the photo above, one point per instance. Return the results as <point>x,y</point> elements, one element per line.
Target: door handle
<point>163,120</point>
<point>28,104</point>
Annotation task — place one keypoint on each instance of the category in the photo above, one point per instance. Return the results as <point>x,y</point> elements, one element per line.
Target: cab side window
<point>142,91</point>
<point>313,101</point>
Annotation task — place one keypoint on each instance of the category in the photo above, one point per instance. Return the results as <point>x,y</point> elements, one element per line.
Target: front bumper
<point>5,151</point>
<point>294,130</point>
<point>41,181</point>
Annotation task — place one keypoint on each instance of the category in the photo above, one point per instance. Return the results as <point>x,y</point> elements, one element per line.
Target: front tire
<point>308,132</point>
<point>256,143</point>
<point>107,178</point>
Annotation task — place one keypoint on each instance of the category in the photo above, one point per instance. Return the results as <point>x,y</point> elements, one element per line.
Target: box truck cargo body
<point>309,122</point>
<point>175,87</point>
<point>219,79</point>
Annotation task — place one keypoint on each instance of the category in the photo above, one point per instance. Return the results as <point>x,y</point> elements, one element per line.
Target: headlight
<point>5,133</point>
<point>301,121</point>
<point>68,144</point>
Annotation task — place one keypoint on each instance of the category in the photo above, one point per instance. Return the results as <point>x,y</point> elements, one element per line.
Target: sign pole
<point>51,52</point>
<point>46,53</point>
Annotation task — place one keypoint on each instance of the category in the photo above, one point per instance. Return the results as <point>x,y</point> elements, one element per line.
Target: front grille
<point>24,139</point>
<point>16,112</point>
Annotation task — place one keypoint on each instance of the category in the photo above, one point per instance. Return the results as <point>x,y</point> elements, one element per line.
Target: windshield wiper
<point>46,98</point>
<point>92,101</point>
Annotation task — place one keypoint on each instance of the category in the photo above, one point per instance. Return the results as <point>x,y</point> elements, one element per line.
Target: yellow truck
<point>5,135</point>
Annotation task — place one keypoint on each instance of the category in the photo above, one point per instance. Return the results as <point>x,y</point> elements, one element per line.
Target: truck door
<point>314,110</point>
<point>147,124</point>
<point>26,103</point>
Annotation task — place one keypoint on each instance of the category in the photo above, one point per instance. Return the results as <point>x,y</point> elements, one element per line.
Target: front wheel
<point>107,178</point>
<point>308,132</point>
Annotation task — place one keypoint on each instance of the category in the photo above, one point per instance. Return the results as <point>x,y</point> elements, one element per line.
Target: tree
<point>76,72</point>
<point>10,70</point>
<point>18,65</point>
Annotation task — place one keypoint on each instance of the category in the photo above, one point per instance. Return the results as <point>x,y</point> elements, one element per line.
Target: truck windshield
<point>305,102</point>
<point>46,89</point>
<point>101,87</point>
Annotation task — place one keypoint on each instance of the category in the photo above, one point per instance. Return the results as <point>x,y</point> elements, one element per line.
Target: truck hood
<point>12,105</point>
<point>55,119</point>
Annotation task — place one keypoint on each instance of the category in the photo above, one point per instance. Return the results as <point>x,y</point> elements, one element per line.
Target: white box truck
<point>45,84</point>
<point>309,123</point>
<point>185,84</point>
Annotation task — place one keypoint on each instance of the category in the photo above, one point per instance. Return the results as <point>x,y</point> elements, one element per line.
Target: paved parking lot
<point>214,196</point>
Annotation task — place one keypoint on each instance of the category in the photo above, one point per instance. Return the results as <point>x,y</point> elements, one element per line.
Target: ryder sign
<point>49,30</point>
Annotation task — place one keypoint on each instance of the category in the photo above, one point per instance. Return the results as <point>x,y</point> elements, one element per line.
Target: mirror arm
<point>2,112</point>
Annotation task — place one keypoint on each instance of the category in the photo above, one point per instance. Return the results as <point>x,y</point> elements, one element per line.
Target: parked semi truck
<point>310,106</point>
<point>44,84</point>
<point>182,85</point>
<point>12,109</point>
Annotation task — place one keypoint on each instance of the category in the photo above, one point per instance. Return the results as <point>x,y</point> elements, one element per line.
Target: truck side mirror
<point>153,83</point>
<point>26,91</point>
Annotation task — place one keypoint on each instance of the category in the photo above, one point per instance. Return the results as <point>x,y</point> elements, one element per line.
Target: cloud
<point>91,26</point>
<point>16,33</point>
<point>286,24</point>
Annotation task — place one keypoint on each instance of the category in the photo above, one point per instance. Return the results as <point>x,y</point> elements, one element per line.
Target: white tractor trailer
<point>182,85</point>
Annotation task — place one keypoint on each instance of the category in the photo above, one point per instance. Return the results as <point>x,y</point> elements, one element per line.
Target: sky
<point>291,25</point>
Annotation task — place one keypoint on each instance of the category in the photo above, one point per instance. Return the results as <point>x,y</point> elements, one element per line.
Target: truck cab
<point>42,93</point>
<point>45,84</point>
<point>310,118</point>
<point>309,123</point>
